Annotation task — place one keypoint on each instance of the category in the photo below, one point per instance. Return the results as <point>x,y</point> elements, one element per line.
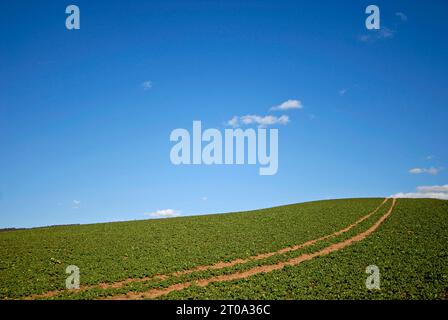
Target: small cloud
<point>233,122</point>
<point>264,121</point>
<point>146,85</point>
<point>383,33</point>
<point>364,38</point>
<point>430,157</point>
<point>261,121</point>
<point>288,104</point>
<point>342,92</point>
<point>76,204</point>
<point>432,170</point>
<point>434,192</point>
<point>204,198</point>
<point>165,213</point>
<point>402,16</point>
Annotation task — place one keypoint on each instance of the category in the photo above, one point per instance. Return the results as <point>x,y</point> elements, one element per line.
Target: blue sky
<point>83,140</point>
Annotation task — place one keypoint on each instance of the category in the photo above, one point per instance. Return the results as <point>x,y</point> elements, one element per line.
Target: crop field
<point>313,250</point>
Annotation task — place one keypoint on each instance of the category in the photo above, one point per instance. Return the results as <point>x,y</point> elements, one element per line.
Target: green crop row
<point>410,250</point>
<point>151,284</point>
<point>34,261</point>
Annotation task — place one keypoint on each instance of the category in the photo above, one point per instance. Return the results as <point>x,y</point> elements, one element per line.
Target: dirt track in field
<point>154,293</point>
<point>220,265</point>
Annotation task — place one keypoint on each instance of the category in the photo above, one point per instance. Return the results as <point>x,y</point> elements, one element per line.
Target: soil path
<point>215,266</point>
<point>154,293</point>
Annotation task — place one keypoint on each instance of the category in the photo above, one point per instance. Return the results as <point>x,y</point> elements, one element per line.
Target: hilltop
<point>313,250</point>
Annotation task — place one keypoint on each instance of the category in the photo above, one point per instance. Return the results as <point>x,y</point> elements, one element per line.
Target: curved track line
<point>215,266</point>
<point>154,293</point>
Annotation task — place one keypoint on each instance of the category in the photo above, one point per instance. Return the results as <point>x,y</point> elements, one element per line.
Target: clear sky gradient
<point>84,140</point>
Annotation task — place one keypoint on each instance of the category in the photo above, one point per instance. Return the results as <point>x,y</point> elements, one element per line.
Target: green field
<point>410,249</point>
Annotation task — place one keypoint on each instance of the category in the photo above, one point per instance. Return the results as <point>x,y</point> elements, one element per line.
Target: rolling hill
<point>313,250</point>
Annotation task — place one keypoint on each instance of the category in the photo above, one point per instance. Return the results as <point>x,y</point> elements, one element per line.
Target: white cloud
<point>76,204</point>
<point>435,192</point>
<point>402,16</point>
<point>383,33</point>
<point>146,85</point>
<point>288,104</point>
<point>431,170</point>
<point>342,92</point>
<point>165,213</point>
<point>264,121</point>
<point>233,122</point>
<point>443,188</point>
<point>261,121</point>
<point>204,198</point>
<point>364,38</point>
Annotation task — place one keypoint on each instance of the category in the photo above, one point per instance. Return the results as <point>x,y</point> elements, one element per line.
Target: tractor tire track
<point>215,266</point>
<point>155,293</point>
